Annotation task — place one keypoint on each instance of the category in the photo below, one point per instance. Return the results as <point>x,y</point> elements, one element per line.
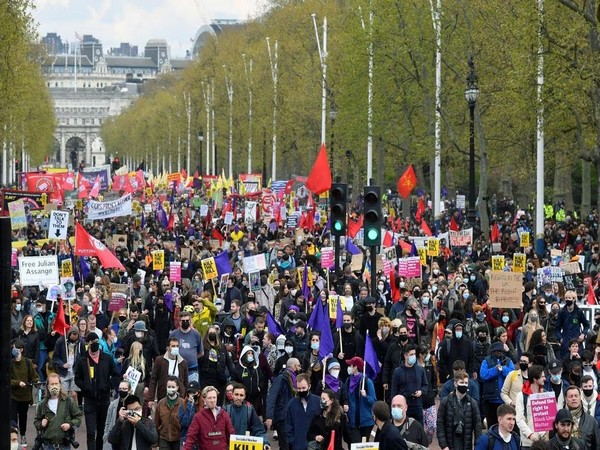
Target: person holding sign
<point>501,436</point>
<point>525,413</point>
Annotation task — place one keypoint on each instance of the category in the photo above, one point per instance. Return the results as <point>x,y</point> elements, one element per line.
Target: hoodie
<point>249,376</point>
<point>66,351</point>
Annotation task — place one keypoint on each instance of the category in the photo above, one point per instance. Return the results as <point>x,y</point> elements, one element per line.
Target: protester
<point>133,429</point>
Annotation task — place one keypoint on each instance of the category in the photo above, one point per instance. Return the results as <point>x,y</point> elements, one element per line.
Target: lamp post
<point>200,139</point>
<point>471,94</point>
<point>332,117</point>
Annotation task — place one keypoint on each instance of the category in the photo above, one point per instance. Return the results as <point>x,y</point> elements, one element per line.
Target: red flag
<point>171,223</point>
<point>319,179</point>
<point>141,181</point>
<point>95,191</point>
<point>96,306</point>
<point>406,247</point>
<point>495,233</point>
<point>183,174</point>
<point>331,445</point>
<point>591,296</point>
<point>288,187</point>
<point>86,245</point>
<point>388,239</point>
<point>407,182</point>
<point>216,234</point>
<point>420,209</point>
<point>395,289</point>
<point>453,225</point>
<point>354,227</point>
<point>426,228</point>
<point>60,324</point>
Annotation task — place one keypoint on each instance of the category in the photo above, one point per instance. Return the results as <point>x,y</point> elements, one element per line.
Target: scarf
<point>332,382</point>
<point>577,412</point>
<point>354,382</point>
<point>292,379</point>
<point>171,403</point>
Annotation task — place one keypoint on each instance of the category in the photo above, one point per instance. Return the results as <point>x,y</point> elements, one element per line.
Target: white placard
<point>228,217</point>
<point>255,263</point>
<point>38,270</point>
<point>133,376</point>
<point>59,222</point>
<point>203,210</point>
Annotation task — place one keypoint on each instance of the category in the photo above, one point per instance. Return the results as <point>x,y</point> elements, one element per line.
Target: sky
<point>137,21</point>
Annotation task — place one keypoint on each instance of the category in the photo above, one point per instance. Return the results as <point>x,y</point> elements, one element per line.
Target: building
<point>206,32</point>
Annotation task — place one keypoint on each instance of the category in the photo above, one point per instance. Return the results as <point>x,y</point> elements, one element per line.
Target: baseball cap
<point>564,415</point>
<point>554,367</point>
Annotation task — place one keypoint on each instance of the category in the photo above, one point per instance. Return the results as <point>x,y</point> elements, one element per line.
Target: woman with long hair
<point>332,419</point>
<point>137,361</point>
<point>30,337</point>
<point>82,324</point>
<point>270,350</point>
<point>532,323</point>
<point>539,347</point>
<point>501,335</point>
<point>215,364</point>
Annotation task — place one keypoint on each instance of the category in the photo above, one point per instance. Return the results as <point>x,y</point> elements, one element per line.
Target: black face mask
<point>185,324</point>
<point>212,336</point>
<point>122,318</point>
<point>588,392</point>
<point>370,307</point>
<point>123,394</point>
<point>94,347</point>
<point>302,394</point>
<point>523,366</point>
<point>482,338</point>
<point>462,389</point>
<point>404,337</point>
<point>569,302</point>
<point>348,326</point>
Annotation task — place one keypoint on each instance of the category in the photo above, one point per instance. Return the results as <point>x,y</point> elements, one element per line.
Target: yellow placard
<point>333,301</point>
<point>66,267</point>
<point>525,239</point>
<point>309,277</point>
<point>209,268</point>
<point>433,247</point>
<point>240,442</point>
<point>158,260</point>
<point>422,255</point>
<point>498,263</point>
<point>519,262</point>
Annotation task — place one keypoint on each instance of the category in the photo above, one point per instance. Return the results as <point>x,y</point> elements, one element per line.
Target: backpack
<point>492,441</point>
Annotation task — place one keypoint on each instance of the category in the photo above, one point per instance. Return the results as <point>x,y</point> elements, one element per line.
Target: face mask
<point>175,351</point>
<point>466,295</point>
<point>89,308</point>
<point>185,266</point>
<point>18,307</point>
<point>480,316</point>
<point>289,349</point>
<point>94,346</point>
<point>347,326</point>
<point>172,392</point>
<point>385,330</point>
<point>229,396</point>
<point>14,446</point>
<point>323,404</point>
<point>555,378</point>
<point>402,284</point>
<point>548,293</point>
<point>335,373</point>
<point>250,358</point>
<point>472,278</point>
<point>482,338</point>
<point>425,300</point>
<point>397,413</point>
<point>428,357</point>
<point>523,366</point>
<point>350,371</point>
<point>588,392</point>
<point>185,324</point>
<point>434,289</point>
<point>123,394</point>
<point>370,307</point>
<point>139,334</point>
<point>114,340</point>
<point>16,352</point>
<point>54,391</point>
<point>462,389</point>
<point>412,360</point>
<point>569,302</point>
<point>505,319</point>
<point>458,334</point>
<point>212,336</point>
<point>39,309</point>
<point>314,346</point>
<point>302,394</point>
<point>380,287</point>
<point>436,271</point>
<point>403,337</point>
<point>122,318</point>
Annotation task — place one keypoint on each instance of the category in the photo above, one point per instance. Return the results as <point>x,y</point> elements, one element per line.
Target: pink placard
<point>13,258</point>
<point>327,257</point>
<point>175,271</point>
<point>543,410</point>
<point>409,267</point>
<point>117,301</point>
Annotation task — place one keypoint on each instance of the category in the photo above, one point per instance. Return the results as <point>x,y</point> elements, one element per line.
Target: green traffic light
<point>337,226</point>
<point>372,234</point>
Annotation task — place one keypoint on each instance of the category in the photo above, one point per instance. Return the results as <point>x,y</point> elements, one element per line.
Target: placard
<point>461,238</point>
<point>254,280</point>
<point>571,267</point>
<point>133,376</point>
<point>14,257</point>
<point>59,222</point>
<point>525,239</point>
<point>409,267</point>
<point>18,219</point>
<point>117,301</point>
<point>66,268</point>
<point>333,301</point>
<point>255,263</point>
<point>422,255</point>
<point>357,262</point>
<point>250,212</point>
<point>543,410</point>
<point>327,258</point>
<point>433,247</point>
<point>570,282</point>
<point>67,285</point>
<point>549,274</point>
<point>175,271</point>
<point>228,217</point>
<point>506,289</point>
<point>158,260</point>
<point>555,256</point>
<point>104,210</point>
<point>498,263</point>
<point>365,446</point>
<point>38,270</point>
<point>519,262</point>
<point>460,201</point>
<point>209,268</point>
<point>292,221</point>
<point>240,442</point>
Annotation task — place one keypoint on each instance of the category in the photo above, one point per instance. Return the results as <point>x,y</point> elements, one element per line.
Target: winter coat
<point>166,419</point>
<point>452,411</point>
<point>570,325</point>
<point>298,420</point>
<point>245,419</point>
<point>498,443</point>
<point>22,371</point>
<point>450,351</point>
<point>60,357</point>
<point>158,379</point>
<point>492,379</point>
<point>208,432</point>
<point>32,344</point>
<point>250,377</point>
<point>67,411</point>
<point>406,381</point>
<point>278,397</point>
<point>95,384</point>
<point>359,407</point>
<point>318,427</point>
<point>121,434</point>
<point>111,419</point>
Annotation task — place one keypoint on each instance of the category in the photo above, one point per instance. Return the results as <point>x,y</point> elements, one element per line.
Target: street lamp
<point>200,139</point>
<point>471,94</point>
<point>332,117</point>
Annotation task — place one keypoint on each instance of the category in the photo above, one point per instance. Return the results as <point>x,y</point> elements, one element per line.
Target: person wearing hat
<point>332,377</point>
<point>476,322</point>
<point>493,372</point>
<point>299,339</point>
<point>66,351</point>
<point>139,333</point>
<point>563,432</point>
<point>95,374</point>
<point>360,392</point>
<point>585,425</point>
<point>457,347</point>
<point>534,385</point>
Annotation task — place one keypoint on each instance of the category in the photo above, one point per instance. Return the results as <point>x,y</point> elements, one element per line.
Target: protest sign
<point>506,290</point>
<point>409,267</point>
<point>38,270</point>
<point>209,268</point>
<point>255,263</point>
<point>525,239</point>
<point>254,280</point>
<point>327,258</point>
<point>175,271</point>
<point>357,262</point>
<point>14,257</point>
<point>133,376</point>
<point>240,442</point>
<point>104,210</point>
<point>461,238</point>
<point>333,301</point>
<point>422,255</point>
<point>519,262</point>
<point>549,274</point>
<point>498,263</point>
<point>570,282</point>
<point>228,218</point>
<point>158,259</point>
<point>16,210</point>
<point>67,285</point>
<point>117,301</point>
<point>543,410</point>
<point>433,247</point>
<point>571,267</point>
<point>66,267</point>
<point>555,256</point>
<point>250,210</point>
<point>460,201</point>
<point>59,222</point>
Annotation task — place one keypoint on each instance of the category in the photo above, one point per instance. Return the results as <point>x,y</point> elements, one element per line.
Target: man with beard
<point>563,429</point>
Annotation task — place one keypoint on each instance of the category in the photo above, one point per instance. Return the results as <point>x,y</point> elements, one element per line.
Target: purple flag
<point>305,288</point>
<point>413,249</point>
<point>319,321</point>
<point>371,361</point>
<point>169,301</point>
<point>351,247</point>
<point>223,264</point>
<point>273,325</point>
<point>85,268</point>
<point>339,314</point>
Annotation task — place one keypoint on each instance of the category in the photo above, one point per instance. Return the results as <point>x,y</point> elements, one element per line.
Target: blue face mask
<point>397,413</point>
<point>458,334</point>
<point>314,346</point>
<point>412,360</point>
<point>555,378</point>
<point>505,319</point>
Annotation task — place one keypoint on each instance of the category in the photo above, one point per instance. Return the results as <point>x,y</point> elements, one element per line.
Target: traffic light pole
<point>337,255</point>
<point>373,255</point>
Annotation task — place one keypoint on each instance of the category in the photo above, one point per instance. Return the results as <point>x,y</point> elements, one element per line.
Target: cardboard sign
<point>239,442</point>
<point>525,239</point>
<point>498,263</point>
<point>543,410</point>
<point>18,219</point>
<point>571,267</point>
<point>327,258</point>
<point>422,255</point>
<point>519,262</point>
<point>556,256</point>
<point>66,268</point>
<point>433,247</point>
<point>506,289</point>
<point>461,238</point>
<point>38,270</point>
<point>158,260</point>
<point>59,222</point>
<point>175,271</point>
<point>409,267</point>
<point>357,262</point>
<point>209,268</point>
<point>133,376</point>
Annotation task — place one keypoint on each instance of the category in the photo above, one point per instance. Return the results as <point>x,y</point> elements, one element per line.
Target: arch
<point>55,155</point>
<point>75,151</point>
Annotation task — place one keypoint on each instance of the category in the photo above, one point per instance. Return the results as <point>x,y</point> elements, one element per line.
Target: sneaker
<point>275,435</point>
<point>23,441</point>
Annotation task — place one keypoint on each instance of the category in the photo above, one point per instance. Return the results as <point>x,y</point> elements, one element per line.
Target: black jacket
<point>390,438</point>
<point>318,427</point>
<point>98,386</point>
<point>121,435</point>
<point>453,412</point>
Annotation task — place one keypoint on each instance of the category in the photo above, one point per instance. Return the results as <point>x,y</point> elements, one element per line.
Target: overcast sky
<point>136,21</point>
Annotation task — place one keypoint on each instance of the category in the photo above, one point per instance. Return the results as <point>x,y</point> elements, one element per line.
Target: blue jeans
<point>41,362</point>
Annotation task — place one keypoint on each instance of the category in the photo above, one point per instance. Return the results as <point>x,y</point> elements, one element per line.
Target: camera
<point>70,438</point>
<point>459,429</point>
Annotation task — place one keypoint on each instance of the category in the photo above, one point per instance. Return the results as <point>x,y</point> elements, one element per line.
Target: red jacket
<point>207,433</point>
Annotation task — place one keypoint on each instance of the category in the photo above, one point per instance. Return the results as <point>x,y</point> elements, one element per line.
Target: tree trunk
<point>586,191</point>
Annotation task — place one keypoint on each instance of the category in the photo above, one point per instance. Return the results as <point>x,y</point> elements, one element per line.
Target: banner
<point>506,289</point>
<point>409,267</point>
<point>240,442</point>
<point>251,182</point>
<point>327,257</point>
<point>461,238</point>
<point>105,210</point>
<point>38,270</point>
<point>90,174</point>
<point>543,410</point>
<point>32,200</point>
<point>175,271</point>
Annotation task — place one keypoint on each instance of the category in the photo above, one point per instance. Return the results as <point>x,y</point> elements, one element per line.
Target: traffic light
<point>338,197</point>
<point>372,222</point>
<point>17,166</point>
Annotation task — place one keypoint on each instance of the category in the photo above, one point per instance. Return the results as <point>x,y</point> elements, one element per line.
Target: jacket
<point>67,412</point>
<point>250,377</point>
<point>318,427</point>
<point>32,344</point>
<point>498,442</point>
<point>492,379</point>
<point>60,357</point>
<point>359,407</point>
<point>121,434</point>
<point>22,371</point>
<point>473,390</point>
<point>166,419</point>
<point>390,438</point>
<point>245,419</point>
<point>157,389</point>
<point>570,325</point>
<point>450,351</point>
<point>111,420</point>
<point>93,379</point>
<point>592,407</point>
<point>208,433</point>
<point>524,417</point>
<point>513,384</point>
<point>450,413</point>
<point>393,358</point>
<point>298,420</point>
<point>589,432</point>
<point>281,392</point>
<point>406,381</point>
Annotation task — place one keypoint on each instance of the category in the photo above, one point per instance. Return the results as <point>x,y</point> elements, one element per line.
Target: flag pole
<point>364,368</point>
<point>340,332</point>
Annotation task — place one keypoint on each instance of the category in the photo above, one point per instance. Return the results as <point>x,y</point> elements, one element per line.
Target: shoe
<point>23,441</point>
<point>275,436</point>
